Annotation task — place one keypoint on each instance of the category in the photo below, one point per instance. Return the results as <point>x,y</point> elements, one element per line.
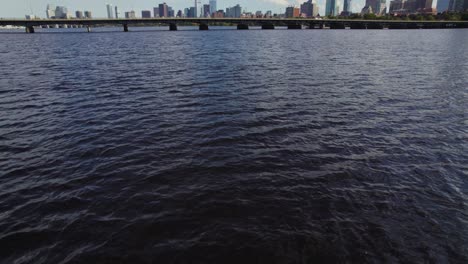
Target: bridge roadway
<point>242,23</point>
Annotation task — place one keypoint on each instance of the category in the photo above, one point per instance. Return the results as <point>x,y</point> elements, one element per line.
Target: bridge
<point>242,23</point>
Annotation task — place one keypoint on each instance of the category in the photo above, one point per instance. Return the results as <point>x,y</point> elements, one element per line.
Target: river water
<point>226,146</point>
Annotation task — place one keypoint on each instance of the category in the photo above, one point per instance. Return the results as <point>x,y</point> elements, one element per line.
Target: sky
<point>19,8</point>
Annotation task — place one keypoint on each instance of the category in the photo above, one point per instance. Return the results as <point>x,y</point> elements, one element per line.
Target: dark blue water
<point>234,146</point>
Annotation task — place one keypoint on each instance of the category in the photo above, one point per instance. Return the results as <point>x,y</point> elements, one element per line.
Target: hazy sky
<point>19,8</point>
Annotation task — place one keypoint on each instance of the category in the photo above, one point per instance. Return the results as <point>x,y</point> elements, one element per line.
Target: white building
<point>110,11</point>
<point>213,6</point>
<point>50,12</point>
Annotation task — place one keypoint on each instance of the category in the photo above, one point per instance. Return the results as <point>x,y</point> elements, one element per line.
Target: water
<point>234,146</point>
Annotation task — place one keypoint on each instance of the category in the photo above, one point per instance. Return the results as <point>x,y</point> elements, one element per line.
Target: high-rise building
<point>347,7</point>
<point>457,5</point>
<point>268,14</point>
<point>50,11</point>
<point>163,10</point>
<point>117,13</point>
<point>79,14</point>
<point>378,7</point>
<point>309,9</point>
<point>443,5</point>
<point>170,12</point>
<point>292,11</point>
<point>88,14</point>
<point>146,14</point>
<point>206,11</point>
<point>396,7</point>
<point>192,12</point>
<point>156,11</point>
<point>61,12</point>
<point>330,8</point>
<point>130,14</point>
<point>213,6</point>
<point>110,11</point>
<point>235,11</point>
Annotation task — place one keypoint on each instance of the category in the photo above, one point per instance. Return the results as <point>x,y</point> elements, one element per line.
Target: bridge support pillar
<point>173,27</point>
<point>203,27</point>
<point>242,26</point>
<point>294,26</point>
<point>125,26</point>
<point>268,26</point>
<point>30,29</point>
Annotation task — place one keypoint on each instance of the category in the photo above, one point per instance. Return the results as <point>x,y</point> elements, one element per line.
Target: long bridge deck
<point>242,23</point>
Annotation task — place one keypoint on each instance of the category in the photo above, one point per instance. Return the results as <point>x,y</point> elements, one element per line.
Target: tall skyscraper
<point>206,11</point>
<point>110,11</point>
<point>347,7</point>
<point>309,8</point>
<point>213,6</point>
<point>457,5</point>
<point>378,7</point>
<point>79,14</point>
<point>163,10</point>
<point>117,13</point>
<point>330,7</point>
<point>442,5</point>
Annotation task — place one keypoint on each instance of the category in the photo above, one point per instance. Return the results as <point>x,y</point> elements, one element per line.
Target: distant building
<point>163,10</point>
<point>218,14</point>
<point>88,14</point>
<point>309,9</point>
<point>170,12</point>
<point>30,17</point>
<point>110,11</point>
<point>346,8</point>
<point>145,14</point>
<point>378,7</point>
<point>117,13</point>
<point>61,12</point>
<point>457,5</point>
<point>79,14</point>
<point>192,12</point>
<point>292,11</point>
<point>156,11</point>
<point>443,5</point>
<point>50,11</point>
<point>206,11</point>
<point>268,14</point>
<point>330,8</point>
<point>212,6</point>
<point>130,14</point>
<point>235,11</point>
<point>402,7</point>
<point>396,7</point>
<point>180,13</point>
<point>367,10</point>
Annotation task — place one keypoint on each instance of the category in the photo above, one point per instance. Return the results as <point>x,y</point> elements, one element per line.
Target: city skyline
<point>21,8</point>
